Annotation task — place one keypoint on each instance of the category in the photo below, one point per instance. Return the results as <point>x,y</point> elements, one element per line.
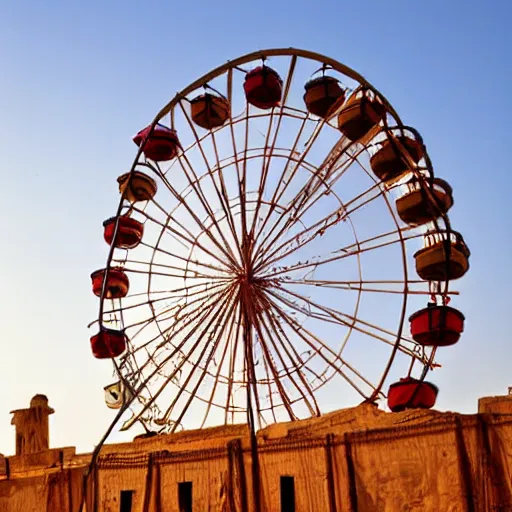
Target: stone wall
<point>354,460</point>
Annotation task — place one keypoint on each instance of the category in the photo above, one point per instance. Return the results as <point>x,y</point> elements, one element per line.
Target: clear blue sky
<point>79,79</point>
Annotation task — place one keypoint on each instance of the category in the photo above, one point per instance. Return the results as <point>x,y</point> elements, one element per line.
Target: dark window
<point>185,496</point>
<point>287,494</point>
<point>125,503</point>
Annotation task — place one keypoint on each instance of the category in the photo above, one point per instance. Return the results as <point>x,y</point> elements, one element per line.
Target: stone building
<point>353,460</point>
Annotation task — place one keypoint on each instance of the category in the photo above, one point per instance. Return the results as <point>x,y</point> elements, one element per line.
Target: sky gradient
<point>78,80</point>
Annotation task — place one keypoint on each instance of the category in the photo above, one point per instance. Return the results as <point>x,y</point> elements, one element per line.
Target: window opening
<point>126,501</point>
<point>185,496</point>
<point>287,494</point>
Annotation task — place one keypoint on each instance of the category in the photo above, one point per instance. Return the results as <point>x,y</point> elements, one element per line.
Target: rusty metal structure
<point>259,252</point>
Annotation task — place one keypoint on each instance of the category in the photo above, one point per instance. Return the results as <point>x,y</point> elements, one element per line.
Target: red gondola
<point>437,326</point>
<point>411,393</point>
<point>129,232</point>
<point>116,286</point>
<point>162,143</point>
<point>108,343</point>
<point>263,87</point>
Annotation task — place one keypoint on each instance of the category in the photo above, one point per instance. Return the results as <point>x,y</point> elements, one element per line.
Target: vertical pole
<point>158,488</point>
<point>255,467</point>
<point>351,473</point>
<point>149,483</point>
<point>95,489</point>
<point>231,476</point>
<point>236,467</point>
<point>69,473</point>
<point>246,299</point>
<point>329,443</point>
<point>464,466</point>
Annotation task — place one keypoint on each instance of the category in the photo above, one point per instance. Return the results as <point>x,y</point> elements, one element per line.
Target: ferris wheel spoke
<point>305,151</point>
<point>184,302</point>
<point>158,269</point>
<point>346,320</point>
<point>195,185</point>
<point>151,357</point>
<point>336,355</point>
<point>302,238</point>
<point>267,158</point>
<point>256,322</point>
<point>268,381</point>
<point>196,367</point>
<point>336,317</point>
<point>174,294</point>
<point>242,185</point>
<point>275,333</point>
<point>293,211</point>
<point>282,179</point>
<point>240,171</point>
<point>344,252</point>
<point>278,192</point>
<point>196,275</point>
<point>320,227</point>
<point>359,286</point>
<point>188,273</point>
<point>230,263</point>
<point>333,167</point>
<point>202,304</point>
<point>217,376</point>
<point>214,313</point>
<point>169,296</point>
<point>188,240</point>
<point>225,195</point>
<point>321,348</point>
<point>177,373</point>
<point>229,404</point>
<point>258,152</point>
<point>333,172</point>
<point>185,239</point>
<point>184,311</point>
<point>249,371</point>
<point>222,194</point>
<point>269,371</point>
<point>272,405</point>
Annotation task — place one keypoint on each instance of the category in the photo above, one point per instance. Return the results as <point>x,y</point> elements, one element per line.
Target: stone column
<point>32,426</point>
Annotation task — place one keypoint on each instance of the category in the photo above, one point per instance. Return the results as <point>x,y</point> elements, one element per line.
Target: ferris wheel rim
<point>273,52</point>
<point>337,66</point>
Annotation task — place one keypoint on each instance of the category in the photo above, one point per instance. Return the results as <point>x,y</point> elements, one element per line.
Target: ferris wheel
<point>278,226</point>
